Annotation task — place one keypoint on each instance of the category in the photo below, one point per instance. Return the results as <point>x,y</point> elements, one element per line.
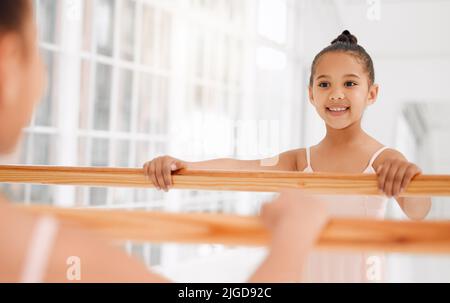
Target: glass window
<point>148,35</point>
<point>98,196</point>
<point>99,152</point>
<point>145,99</point>
<point>121,196</point>
<point>43,146</point>
<point>41,194</point>
<point>85,94</point>
<point>102,101</point>
<point>47,14</point>
<point>127,30</point>
<point>45,112</point>
<point>88,22</point>
<point>104,24</point>
<point>121,153</point>
<point>159,104</point>
<point>165,40</point>
<point>124,100</point>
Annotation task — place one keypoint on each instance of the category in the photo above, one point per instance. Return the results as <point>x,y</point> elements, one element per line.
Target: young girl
<point>342,85</point>
<point>42,249</point>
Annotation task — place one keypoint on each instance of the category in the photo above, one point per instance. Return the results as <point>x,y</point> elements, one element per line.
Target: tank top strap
<point>308,157</point>
<point>39,251</point>
<point>375,155</point>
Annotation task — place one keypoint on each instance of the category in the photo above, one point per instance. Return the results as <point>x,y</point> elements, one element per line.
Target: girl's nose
<point>336,96</point>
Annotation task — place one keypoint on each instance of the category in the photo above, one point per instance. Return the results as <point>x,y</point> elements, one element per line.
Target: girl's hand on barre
<point>294,213</point>
<point>394,175</point>
<point>159,171</point>
<point>294,221</point>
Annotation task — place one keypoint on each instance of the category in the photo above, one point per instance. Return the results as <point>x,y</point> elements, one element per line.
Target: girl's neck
<point>347,137</point>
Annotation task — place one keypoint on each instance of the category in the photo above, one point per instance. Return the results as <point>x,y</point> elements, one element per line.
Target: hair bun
<point>345,37</point>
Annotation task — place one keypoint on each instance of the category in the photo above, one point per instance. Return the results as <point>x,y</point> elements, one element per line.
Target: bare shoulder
<point>298,156</point>
<point>288,160</point>
<point>387,154</point>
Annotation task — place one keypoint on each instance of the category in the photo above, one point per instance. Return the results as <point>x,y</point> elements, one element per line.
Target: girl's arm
<point>159,170</point>
<point>295,221</point>
<point>394,174</point>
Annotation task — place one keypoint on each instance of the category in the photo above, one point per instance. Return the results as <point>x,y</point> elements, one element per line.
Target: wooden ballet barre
<point>338,234</point>
<point>259,181</point>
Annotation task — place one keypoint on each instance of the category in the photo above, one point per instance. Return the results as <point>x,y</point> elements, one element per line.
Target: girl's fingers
<point>382,173</point>
<point>152,174</point>
<point>159,171</point>
<point>411,172</point>
<point>390,178</point>
<point>145,168</point>
<point>176,165</point>
<point>398,180</point>
<point>167,172</point>
<point>159,175</point>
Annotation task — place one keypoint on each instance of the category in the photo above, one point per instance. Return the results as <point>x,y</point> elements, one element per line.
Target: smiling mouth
<point>341,109</point>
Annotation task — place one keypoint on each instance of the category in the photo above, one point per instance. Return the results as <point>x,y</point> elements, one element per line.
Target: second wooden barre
<point>341,234</point>
<point>259,181</point>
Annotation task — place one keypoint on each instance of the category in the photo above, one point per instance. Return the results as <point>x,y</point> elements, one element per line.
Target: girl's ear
<point>310,93</point>
<point>373,94</point>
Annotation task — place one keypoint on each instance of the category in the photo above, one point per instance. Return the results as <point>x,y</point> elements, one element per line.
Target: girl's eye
<point>323,84</point>
<point>350,83</point>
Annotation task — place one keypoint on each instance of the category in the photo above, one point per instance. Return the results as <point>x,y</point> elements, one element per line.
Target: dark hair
<point>13,14</point>
<point>346,42</point>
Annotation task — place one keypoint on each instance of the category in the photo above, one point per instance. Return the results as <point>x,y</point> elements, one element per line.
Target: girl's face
<point>22,79</point>
<point>340,91</point>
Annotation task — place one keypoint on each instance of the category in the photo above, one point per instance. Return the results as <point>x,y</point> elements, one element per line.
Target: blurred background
<point>130,80</point>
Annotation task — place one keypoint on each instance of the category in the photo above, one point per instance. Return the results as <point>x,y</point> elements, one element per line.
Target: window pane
<point>155,255</point>
<point>99,152</point>
<point>104,16</point>
<point>121,195</point>
<point>127,30</point>
<point>87,25</point>
<point>121,153</point>
<point>81,197</point>
<point>41,194</point>
<point>83,151</point>
<point>142,152</point>
<point>199,54</point>
<point>137,251</point>
<point>47,10</point>
<point>43,149</point>
<point>148,35</point>
<point>158,111</point>
<point>153,102</point>
<point>125,100</point>
<point>46,109</point>
<point>145,99</point>
<point>198,92</point>
<point>165,40</point>
<point>98,196</point>
<point>235,63</point>
<point>85,89</point>
<point>102,102</point>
